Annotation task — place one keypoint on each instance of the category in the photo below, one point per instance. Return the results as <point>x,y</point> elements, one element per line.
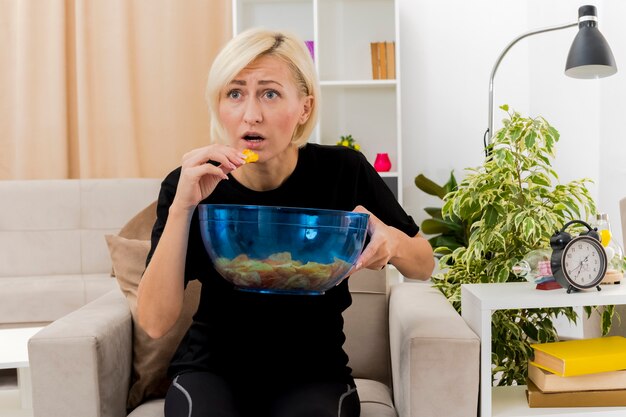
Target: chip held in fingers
<point>250,156</point>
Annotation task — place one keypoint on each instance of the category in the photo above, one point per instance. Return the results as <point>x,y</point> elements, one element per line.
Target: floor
<point>9,395</point>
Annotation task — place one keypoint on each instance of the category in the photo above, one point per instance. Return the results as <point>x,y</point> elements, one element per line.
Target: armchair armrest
<point>434,354</point>
<point>81,363</point>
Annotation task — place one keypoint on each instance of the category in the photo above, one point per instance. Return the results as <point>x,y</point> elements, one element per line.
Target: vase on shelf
<point>382,162</point>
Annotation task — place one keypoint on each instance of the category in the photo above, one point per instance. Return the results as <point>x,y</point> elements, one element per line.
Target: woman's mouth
<point>253,137</point>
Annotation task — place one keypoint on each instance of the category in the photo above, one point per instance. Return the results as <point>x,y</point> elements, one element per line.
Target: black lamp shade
<point>590,55</point>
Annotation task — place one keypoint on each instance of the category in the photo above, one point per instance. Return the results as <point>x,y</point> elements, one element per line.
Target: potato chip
<point>279,271</point>
<point>250,156</point>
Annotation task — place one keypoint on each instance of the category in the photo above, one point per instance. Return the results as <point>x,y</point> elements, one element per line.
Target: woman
<point>263,95</point>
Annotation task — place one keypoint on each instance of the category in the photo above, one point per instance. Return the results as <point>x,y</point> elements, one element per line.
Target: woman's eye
<point>234,94</point>
<point>271,94</point>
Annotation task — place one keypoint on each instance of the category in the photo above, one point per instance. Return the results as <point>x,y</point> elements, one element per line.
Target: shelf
<point>388,174</point>
<point>524,295</point>
<point>369,115</point>
<point>346,29</point>
<point>353,102</point>
<point>511,402</point>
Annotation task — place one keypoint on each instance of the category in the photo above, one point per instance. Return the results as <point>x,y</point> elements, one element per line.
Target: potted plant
<point>349,142</point>
<point>510,205</point>
<point>448,233</point>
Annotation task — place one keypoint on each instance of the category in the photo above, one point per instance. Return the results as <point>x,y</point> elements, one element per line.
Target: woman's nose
<point>253,114</point>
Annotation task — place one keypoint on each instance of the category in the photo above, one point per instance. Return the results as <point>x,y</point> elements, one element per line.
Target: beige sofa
<point>53,256</point>
<point>411,353</point>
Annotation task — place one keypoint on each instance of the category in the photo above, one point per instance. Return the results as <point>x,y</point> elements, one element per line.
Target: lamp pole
<point>489,132</point>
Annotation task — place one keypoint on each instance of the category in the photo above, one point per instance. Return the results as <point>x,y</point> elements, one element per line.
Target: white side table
<point>478,302</point>
<point>14,354</point>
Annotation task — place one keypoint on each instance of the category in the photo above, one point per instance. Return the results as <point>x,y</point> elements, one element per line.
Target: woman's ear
<point>307,108</point>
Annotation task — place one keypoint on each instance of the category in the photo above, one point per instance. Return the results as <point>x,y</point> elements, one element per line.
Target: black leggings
<point>204,394</point>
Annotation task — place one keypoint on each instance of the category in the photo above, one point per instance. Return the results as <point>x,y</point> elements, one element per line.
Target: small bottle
<point>614,252</point>
<point>535,266</point>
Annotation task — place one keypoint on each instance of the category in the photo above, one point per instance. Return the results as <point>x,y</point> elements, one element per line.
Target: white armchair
<point>415,343</point>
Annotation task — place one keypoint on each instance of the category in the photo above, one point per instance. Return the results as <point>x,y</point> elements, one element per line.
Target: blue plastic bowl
<point>282,249</point>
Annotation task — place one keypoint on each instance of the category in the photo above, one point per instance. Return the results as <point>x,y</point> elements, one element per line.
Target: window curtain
<point>105,88</point>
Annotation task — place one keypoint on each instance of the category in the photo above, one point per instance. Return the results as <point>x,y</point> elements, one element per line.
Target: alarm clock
<point>577,263</point>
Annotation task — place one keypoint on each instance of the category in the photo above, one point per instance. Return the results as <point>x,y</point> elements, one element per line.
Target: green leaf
<point>554,133</point>
<point>529,140</point>
<point>435,226</point>
<point>572,207</point>
<point>491,216</point>
<point>540,179</point>
<point>530,330</point>
<point>478,250</point>
<point>429,186</point>
<point>607,318</point>
<point>442,250</point>
<point>503,275</point>
<point>448,242</point>
<point>528,227</point>
<point>434,212</point>
<point>451,185</point>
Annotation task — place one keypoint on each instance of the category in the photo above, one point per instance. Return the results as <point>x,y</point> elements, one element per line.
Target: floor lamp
<point>589,56</point>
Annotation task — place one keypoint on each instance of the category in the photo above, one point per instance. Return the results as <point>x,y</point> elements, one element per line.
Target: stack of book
<point>383,60</point>
<point>578,373</point>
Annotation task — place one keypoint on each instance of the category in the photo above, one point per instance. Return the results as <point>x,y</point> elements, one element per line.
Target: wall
<point>448,50</point>
<point>612,155</point>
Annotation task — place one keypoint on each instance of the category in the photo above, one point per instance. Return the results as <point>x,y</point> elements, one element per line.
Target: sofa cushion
<point>40,205</point>
<point>375,399</point>
<point>53,256</point>
<point>153,408</point>
<point>151,357</point>
<point>108,204</point>
<point>45,298</point>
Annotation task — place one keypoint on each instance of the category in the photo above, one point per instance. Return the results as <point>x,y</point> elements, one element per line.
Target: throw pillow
<point>140,226</point>
<point>151,357</point>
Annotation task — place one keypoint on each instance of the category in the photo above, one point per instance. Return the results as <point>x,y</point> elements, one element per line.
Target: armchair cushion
<point>151,357</point>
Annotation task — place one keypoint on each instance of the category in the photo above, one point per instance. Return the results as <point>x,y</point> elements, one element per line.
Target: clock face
<point>584,262</point>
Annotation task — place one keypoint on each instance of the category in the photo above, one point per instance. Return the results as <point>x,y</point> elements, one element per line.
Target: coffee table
<point>14,354</point>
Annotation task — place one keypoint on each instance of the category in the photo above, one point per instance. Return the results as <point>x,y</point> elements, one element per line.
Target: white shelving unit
<point>352,102</point>
<point>479,301</point>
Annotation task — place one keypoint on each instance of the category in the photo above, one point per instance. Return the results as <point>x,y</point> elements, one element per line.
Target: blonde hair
<point>243,49</point>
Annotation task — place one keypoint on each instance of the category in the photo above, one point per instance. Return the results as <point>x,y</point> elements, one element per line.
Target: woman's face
<point>261,108</point>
